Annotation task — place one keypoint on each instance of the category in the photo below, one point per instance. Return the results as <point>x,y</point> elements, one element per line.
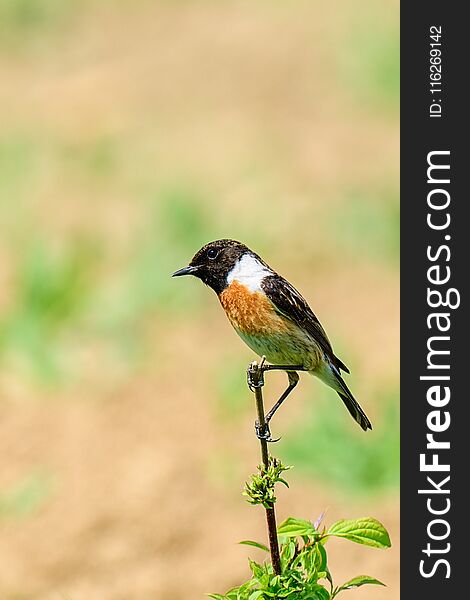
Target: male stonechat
<point>272,318</point>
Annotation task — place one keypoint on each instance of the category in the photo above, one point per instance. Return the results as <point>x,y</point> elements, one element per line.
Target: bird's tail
<point>333,379</point>
<point>355,410</point>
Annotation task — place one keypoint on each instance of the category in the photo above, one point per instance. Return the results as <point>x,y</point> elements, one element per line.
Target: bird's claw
<point>254,381</point>
<point>263,433</point>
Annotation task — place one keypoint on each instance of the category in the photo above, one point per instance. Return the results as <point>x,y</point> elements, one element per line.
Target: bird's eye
<point>212,253</point>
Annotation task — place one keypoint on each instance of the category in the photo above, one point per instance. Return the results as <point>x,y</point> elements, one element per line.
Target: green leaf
<point>288,552</point>
<point>255,545</point>
<point>322,594</point>
<point>293,527</point>
<point>216,596</point>
<point>256,569</point>
<point>367,531</point>
<point>357,582</point>
<point>322,552</point>
<point>234,593</point>
<point>256,594</point>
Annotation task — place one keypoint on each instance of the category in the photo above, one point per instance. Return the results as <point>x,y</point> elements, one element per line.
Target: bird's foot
<point>263,433</point>
<point>254,376</point>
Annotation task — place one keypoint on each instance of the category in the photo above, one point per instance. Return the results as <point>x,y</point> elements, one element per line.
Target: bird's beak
<point>185,271</point>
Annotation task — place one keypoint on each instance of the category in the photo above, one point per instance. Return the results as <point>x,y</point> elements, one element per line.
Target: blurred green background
<point>133,132</point>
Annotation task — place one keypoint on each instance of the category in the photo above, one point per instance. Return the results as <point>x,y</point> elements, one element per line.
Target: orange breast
<point>251,312</point>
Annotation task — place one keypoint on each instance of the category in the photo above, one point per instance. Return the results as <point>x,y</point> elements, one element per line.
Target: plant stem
<point>256,373</point>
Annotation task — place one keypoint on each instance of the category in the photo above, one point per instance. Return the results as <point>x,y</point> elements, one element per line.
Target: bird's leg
<point>263,432</point>
<point>293,381</point>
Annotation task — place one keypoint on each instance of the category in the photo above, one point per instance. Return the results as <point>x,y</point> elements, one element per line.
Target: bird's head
<point>215,262</point>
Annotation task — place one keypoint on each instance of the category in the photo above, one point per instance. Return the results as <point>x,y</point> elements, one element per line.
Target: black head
<point>214,261</point>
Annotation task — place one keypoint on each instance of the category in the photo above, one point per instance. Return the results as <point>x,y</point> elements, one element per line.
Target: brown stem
<point>256,373</point>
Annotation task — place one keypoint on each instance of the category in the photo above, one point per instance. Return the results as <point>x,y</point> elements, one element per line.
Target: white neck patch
<point>248,271</point>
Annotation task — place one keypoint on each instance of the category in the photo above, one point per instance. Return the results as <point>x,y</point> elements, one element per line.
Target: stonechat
<point>272,318</point>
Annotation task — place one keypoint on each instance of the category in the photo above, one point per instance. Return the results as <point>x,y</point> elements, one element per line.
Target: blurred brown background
<point>133,132</point>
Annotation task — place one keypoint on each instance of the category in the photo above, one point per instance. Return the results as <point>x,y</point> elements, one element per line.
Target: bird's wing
<point>291,304</point>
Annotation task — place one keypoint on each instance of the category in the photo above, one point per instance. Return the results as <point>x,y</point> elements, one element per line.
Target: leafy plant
<point>299,563</point>
<point>260,490</point>
<point>304,562</point>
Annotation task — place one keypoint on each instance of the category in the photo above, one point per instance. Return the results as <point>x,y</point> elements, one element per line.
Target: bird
<point>272,318</point>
